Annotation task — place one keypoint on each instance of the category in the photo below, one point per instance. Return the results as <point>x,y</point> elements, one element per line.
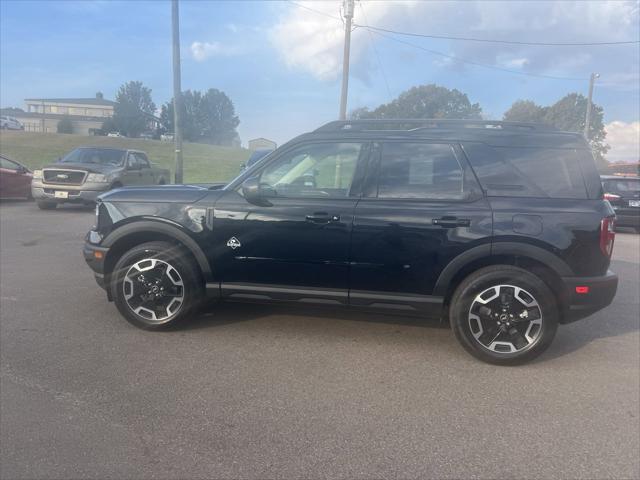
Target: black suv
<point>501,228</point>
<point>623,192</point>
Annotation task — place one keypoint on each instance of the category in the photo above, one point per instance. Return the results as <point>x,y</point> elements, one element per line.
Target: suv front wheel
<point>156,284</point>
<point>504,315</point>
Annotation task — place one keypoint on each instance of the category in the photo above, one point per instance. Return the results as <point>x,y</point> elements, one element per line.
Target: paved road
<point>264,392</point>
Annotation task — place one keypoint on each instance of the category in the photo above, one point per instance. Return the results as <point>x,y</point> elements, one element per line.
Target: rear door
<point>295,245</point>
<point>421,208</point>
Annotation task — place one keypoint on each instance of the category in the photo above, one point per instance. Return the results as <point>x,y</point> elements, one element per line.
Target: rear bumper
<point>600,293</point>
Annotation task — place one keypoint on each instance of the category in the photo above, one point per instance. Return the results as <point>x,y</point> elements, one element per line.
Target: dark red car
<point>15,179</point>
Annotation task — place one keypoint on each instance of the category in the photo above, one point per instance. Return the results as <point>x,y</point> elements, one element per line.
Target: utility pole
<point>587,121</point>
<point>348,17</point>
<point>177,91</point>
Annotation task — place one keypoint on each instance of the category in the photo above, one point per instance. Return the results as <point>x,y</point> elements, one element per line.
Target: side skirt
<point>427,305</point>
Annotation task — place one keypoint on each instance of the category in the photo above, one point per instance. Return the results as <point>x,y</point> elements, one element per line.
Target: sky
<point>280,61</point>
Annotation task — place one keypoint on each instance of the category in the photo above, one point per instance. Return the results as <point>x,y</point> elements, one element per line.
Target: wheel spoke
<point>153,289</point>
<point>505,319</point>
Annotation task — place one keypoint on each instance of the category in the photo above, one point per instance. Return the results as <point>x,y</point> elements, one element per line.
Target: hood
<point>87,167</point>
<point>156,193</point>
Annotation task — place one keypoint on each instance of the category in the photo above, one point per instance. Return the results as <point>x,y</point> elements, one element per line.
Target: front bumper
<point>85,193</point>
<point>95,257</point>
<point>598,292</point>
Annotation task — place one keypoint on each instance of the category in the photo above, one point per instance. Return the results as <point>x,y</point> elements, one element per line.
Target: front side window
<point>419,170</point>
<point>8,164</point>
<point>313,170</point>
<point>142,160</point>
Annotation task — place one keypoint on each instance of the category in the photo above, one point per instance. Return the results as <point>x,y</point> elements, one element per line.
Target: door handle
<point>322,217</point>
<point>451,222</point>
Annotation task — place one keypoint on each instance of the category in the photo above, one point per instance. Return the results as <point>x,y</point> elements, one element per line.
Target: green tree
<point>207,117</point>
<point>133,110</point>
<point>566,114</point>
<point>525,111</point>
<point>424,101</point>
<point>65,125</point>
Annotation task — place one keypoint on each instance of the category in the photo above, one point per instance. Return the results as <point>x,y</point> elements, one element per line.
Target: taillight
<point>607,235</point>
<point>611,197</point>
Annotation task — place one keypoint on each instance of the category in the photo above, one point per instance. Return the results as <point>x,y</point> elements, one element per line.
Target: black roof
<point>495,133</point>
<point>412,125</point>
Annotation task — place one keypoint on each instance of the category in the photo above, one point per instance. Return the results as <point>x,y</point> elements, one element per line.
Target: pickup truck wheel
<point>44,205</point>
<point>504,315</point>
<point>156,285</point>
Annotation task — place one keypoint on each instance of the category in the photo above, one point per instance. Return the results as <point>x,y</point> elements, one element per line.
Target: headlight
<point>37,174</point>
<point>97,178</point>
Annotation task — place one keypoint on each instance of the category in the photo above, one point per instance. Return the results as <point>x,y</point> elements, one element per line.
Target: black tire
<point>167,253</point>
<point>115,185</point>
<point>491,281</point>
<point>44,205</point>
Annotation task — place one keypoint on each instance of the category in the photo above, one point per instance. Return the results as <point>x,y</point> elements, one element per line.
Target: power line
<point>378,31</point>
<point>507,42</point>
<point>471,62</point>
<point>375,50</point>
<point>315,11</point>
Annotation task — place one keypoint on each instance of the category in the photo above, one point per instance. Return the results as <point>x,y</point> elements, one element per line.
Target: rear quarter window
<point>528,171</point>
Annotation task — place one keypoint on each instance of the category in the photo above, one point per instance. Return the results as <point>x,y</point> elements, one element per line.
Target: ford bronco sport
<point>500,228</point>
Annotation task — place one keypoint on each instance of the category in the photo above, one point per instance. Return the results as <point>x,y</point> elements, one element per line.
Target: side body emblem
<point>234,243</point>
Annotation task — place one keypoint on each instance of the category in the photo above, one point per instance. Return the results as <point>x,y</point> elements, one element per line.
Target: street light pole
<point>177,91</point>
<point>587,121</point>
<point>348,17</point>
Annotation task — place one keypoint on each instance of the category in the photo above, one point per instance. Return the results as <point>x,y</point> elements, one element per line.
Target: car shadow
<point>216,314</point>
<point>620,318</point>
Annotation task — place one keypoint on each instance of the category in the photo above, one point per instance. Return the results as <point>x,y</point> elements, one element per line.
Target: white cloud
<point>201,51</point>
<point>312,42</point>
<point>624,139</point>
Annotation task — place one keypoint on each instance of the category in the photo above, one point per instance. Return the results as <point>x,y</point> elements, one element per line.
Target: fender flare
<point>167,229</point>
<point>527,250</point>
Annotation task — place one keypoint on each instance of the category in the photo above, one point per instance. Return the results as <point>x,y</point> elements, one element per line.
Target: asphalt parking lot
<point>264,392</point>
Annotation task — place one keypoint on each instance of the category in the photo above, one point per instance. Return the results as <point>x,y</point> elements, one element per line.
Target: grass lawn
<point>202,163</point>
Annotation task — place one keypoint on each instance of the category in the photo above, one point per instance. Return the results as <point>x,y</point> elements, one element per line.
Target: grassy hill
<point>202,163</point>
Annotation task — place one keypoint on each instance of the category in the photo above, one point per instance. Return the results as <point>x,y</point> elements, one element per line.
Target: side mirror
<point>254,193</point>
<point>22,170</point>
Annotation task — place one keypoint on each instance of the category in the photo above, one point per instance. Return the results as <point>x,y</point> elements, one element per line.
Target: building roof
<point>79,101</point>
<point>56,116</point>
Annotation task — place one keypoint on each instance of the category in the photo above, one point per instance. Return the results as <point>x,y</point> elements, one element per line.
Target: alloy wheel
<point>505,319</point>
<point>153,289</point>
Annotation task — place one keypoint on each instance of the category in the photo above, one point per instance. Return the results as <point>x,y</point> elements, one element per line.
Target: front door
<point>133,174</point>
<point>295,244</point>
<point>420,209</point>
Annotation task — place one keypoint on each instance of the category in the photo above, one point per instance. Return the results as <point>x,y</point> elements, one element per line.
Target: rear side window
<point>528,171</point>
<point>419,170</point>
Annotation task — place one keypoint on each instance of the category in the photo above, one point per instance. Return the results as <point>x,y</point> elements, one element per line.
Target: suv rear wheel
<point>504,315</point>
<point>156,285</point>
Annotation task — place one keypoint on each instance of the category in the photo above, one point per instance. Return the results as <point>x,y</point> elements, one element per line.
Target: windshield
<point>94,156</point>
<point>257,155</point>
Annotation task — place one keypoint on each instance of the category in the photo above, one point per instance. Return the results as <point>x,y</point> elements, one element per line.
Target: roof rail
<point>414,125</point>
